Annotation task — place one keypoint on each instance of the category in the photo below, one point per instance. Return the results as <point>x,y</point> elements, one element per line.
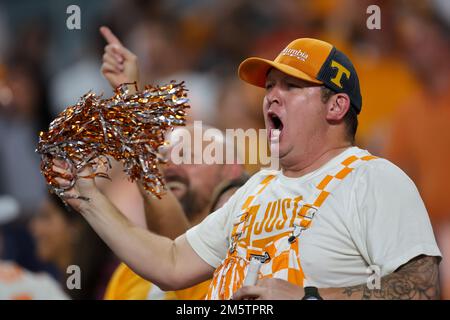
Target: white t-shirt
<point>17,283</point>
<point>373,217</point>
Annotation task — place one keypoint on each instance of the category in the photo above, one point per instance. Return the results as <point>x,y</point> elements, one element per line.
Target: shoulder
<point>380,184</point>
<point>374,178</point>
<point>381,172</point>
<point>261,177</point>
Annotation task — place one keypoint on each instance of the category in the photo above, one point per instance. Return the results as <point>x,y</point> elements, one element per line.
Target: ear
<point>337,107</point>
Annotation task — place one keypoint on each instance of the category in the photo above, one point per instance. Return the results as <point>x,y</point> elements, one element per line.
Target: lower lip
<point>279,137</point>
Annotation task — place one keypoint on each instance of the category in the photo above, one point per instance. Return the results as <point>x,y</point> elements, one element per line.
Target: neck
<point>301,168</point>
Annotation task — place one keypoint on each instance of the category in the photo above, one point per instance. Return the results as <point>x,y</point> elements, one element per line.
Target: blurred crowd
<point>403,68</point>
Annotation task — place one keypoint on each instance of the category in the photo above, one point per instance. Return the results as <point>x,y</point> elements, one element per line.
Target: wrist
<point>311,293</point>
<point>88,206</point>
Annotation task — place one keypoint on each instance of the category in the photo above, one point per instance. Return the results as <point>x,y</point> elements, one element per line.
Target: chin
<point>283,152</point>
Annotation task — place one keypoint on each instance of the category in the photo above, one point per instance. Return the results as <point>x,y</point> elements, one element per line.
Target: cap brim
<point>254,71</point>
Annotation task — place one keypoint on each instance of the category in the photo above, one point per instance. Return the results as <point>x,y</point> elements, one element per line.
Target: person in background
<point>17,282</point>
<point>419,138</point>
<point>226,190</point>
<point>63,238</point>
<point>22,116</point>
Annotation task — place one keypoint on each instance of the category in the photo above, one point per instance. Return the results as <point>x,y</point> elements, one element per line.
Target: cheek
<point>265,104</point>
<point>40,228</point>
<point>54,234</point>
<point>42,233</point>
<point>297,115</point>
<point>305,114</point>
<point>199,172</point>
<point>265,107</point>
<point>204,178</point>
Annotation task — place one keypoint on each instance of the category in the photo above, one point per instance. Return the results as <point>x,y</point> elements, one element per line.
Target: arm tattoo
<point>417,279</point>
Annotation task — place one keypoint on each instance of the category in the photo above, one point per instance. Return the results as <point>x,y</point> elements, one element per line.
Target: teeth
<point>275,135</point>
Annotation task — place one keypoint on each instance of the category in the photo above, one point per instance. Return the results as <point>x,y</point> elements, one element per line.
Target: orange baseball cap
<point>311,60</point>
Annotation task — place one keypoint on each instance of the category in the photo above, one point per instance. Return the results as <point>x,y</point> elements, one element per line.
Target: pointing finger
<point>109,36</point>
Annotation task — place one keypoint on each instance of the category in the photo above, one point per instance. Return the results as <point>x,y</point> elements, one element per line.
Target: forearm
<point>417,280</point>
<point>148,254</point>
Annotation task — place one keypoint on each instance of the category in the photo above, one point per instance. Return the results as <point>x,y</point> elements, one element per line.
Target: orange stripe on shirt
<point>343,173</point>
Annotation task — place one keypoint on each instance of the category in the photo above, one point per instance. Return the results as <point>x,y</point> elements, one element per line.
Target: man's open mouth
<point>275,123</point>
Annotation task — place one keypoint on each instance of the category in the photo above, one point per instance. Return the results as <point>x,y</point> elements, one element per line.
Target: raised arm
<point>119,64</point>
<point>164,216</point>
<point>170,264</point>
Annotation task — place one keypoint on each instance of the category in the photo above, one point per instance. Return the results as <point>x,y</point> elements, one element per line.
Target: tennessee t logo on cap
<point>341,71</point>
<point>311,60</point>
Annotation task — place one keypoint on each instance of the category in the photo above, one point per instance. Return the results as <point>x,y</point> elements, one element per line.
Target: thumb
<point>109,36</point>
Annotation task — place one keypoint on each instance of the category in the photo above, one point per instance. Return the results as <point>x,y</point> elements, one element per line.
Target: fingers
<point>121,53</point>
<point>63,175</point>
<point>108,67</point>
<point>115,57</point>
<point>60,163</point>
<point>63,183</point>
<point>112,64</point>
<point>113,52</point>
<point>109,36</point>
<point>68,195</point>
<point>248,292</point>
<point>109,59</point>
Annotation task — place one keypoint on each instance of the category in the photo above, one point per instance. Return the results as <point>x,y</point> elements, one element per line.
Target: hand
<point>270,289</point>
<point>83,188</point>
<point>119,63</point>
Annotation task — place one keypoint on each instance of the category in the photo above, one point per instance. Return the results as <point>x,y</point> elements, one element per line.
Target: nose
<point>273,96</point>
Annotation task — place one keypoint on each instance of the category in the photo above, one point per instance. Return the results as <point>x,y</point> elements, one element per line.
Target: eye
<point>269,85</point>
<point>292,85</point>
